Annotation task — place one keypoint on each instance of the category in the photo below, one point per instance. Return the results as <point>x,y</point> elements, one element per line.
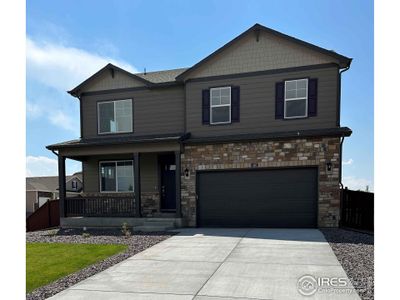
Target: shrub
<point>125,230</point>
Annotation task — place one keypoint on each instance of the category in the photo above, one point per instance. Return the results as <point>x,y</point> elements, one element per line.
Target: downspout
<point>339,94</point>
<point>340,181</point>
<point>55,153</point>
<point>338,122</point>
<point>341,142</point>
<point>80,114</point>
<point>54,194</point>
<point>340,169</point>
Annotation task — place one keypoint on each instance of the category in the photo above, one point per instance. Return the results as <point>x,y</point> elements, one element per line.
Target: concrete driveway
<point>217,264</point>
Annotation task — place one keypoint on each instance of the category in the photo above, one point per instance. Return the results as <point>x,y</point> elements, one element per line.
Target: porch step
<point>156,224</point>
<point>153,228</point>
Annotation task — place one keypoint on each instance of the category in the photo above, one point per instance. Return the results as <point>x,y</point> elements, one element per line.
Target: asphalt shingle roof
<point>47,183</point>
<point>161,76</point>
<point>118,140</point>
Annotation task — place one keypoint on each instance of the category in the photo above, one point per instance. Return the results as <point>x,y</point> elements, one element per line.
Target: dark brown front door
<point>167,190</point>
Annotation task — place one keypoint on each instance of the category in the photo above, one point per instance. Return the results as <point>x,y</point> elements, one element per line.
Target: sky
<point>69,40</point>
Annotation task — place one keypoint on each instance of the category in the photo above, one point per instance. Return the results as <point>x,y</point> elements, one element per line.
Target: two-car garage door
<point>258,198</point>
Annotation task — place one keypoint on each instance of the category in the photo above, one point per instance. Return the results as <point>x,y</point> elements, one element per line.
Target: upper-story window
<point>220,105</point>
<point>74,185</point>
<point>115,116</point>
<point>296,96</point>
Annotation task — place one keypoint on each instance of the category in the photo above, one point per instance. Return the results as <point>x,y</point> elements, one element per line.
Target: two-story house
<point>250,136</point>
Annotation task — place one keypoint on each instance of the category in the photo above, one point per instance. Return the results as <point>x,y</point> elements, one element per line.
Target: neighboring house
<point>250,136</point>
<point>43,188</point>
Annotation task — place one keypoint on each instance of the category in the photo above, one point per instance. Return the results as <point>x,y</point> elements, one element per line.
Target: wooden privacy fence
<point>48,215</point>
<point>357,210</point>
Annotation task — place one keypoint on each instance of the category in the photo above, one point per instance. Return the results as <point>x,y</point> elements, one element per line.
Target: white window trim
<point>299,98</point>
<point>115,117</point>
<point>116,176</point>
<point>221,105</point>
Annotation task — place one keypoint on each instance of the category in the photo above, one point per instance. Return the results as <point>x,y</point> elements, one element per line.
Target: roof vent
<point>144,71</point>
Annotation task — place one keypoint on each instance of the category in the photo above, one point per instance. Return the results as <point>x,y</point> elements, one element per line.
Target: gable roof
<point>149,79</point>
<point>111,68</point>
<point>343,60</point>
<point>48,183</point>
<point>174,76</point>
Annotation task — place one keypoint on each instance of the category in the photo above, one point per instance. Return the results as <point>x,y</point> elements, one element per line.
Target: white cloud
<point>354,183</point>
<point>348,162</point>
<point>64,121</point>
<point>56,117</point>
<point>33,110</point>
<point>63,67</point>
<point>45,166</point>
<point>41,166</point>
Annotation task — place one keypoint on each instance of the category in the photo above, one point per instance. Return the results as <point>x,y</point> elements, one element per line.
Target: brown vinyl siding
<point>270,52</point>
<point>156,111</point>
<point>148,171</point>
<point>257,104</point>
<point>105,82</point>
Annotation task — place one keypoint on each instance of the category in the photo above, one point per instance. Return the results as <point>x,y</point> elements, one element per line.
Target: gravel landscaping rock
<point>136,243</point>
<point>355,251</point>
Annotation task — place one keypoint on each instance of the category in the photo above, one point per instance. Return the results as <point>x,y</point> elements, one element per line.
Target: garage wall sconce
<point>186,173</point>
<point>329,166</point>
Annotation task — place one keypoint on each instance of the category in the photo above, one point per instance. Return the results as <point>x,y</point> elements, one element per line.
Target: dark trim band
<point>328,132</point>
<point>266,72</point>
<point>132,89</point>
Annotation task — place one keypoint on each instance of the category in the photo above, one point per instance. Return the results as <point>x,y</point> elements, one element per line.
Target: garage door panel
<point>258,198</point>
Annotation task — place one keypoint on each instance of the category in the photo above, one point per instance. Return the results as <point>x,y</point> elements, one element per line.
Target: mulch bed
<point>136,243</point>
<point>355,251</point>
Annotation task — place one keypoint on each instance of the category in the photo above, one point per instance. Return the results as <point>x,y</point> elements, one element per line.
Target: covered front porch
<point>132,183</point>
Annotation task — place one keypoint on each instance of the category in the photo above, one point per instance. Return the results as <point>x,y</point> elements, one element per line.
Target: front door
<point>167,190</point>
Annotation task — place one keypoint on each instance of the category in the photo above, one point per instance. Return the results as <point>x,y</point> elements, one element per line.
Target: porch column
<point>136,176</point>
<point>178,183</point>
<point>61,185</point>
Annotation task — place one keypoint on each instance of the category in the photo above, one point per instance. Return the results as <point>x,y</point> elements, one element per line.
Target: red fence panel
<point>48,215</point>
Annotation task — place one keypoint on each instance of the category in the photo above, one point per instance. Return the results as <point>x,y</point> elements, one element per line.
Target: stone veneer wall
<point>264,154</point>
<point>150,203</point>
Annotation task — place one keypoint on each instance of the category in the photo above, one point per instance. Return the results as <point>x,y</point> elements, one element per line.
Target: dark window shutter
<point>206,106</point>
<point>279,99</point>
<point>312,97</point>
<point>235,104</point>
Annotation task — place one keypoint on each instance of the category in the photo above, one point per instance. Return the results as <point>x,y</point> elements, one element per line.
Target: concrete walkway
<point>218,264</point>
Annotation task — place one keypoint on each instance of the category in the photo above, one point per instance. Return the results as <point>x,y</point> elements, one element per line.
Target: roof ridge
<point>167,70</point>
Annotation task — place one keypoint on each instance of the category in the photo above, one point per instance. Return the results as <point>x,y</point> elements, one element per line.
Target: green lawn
<point>46,262</point>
